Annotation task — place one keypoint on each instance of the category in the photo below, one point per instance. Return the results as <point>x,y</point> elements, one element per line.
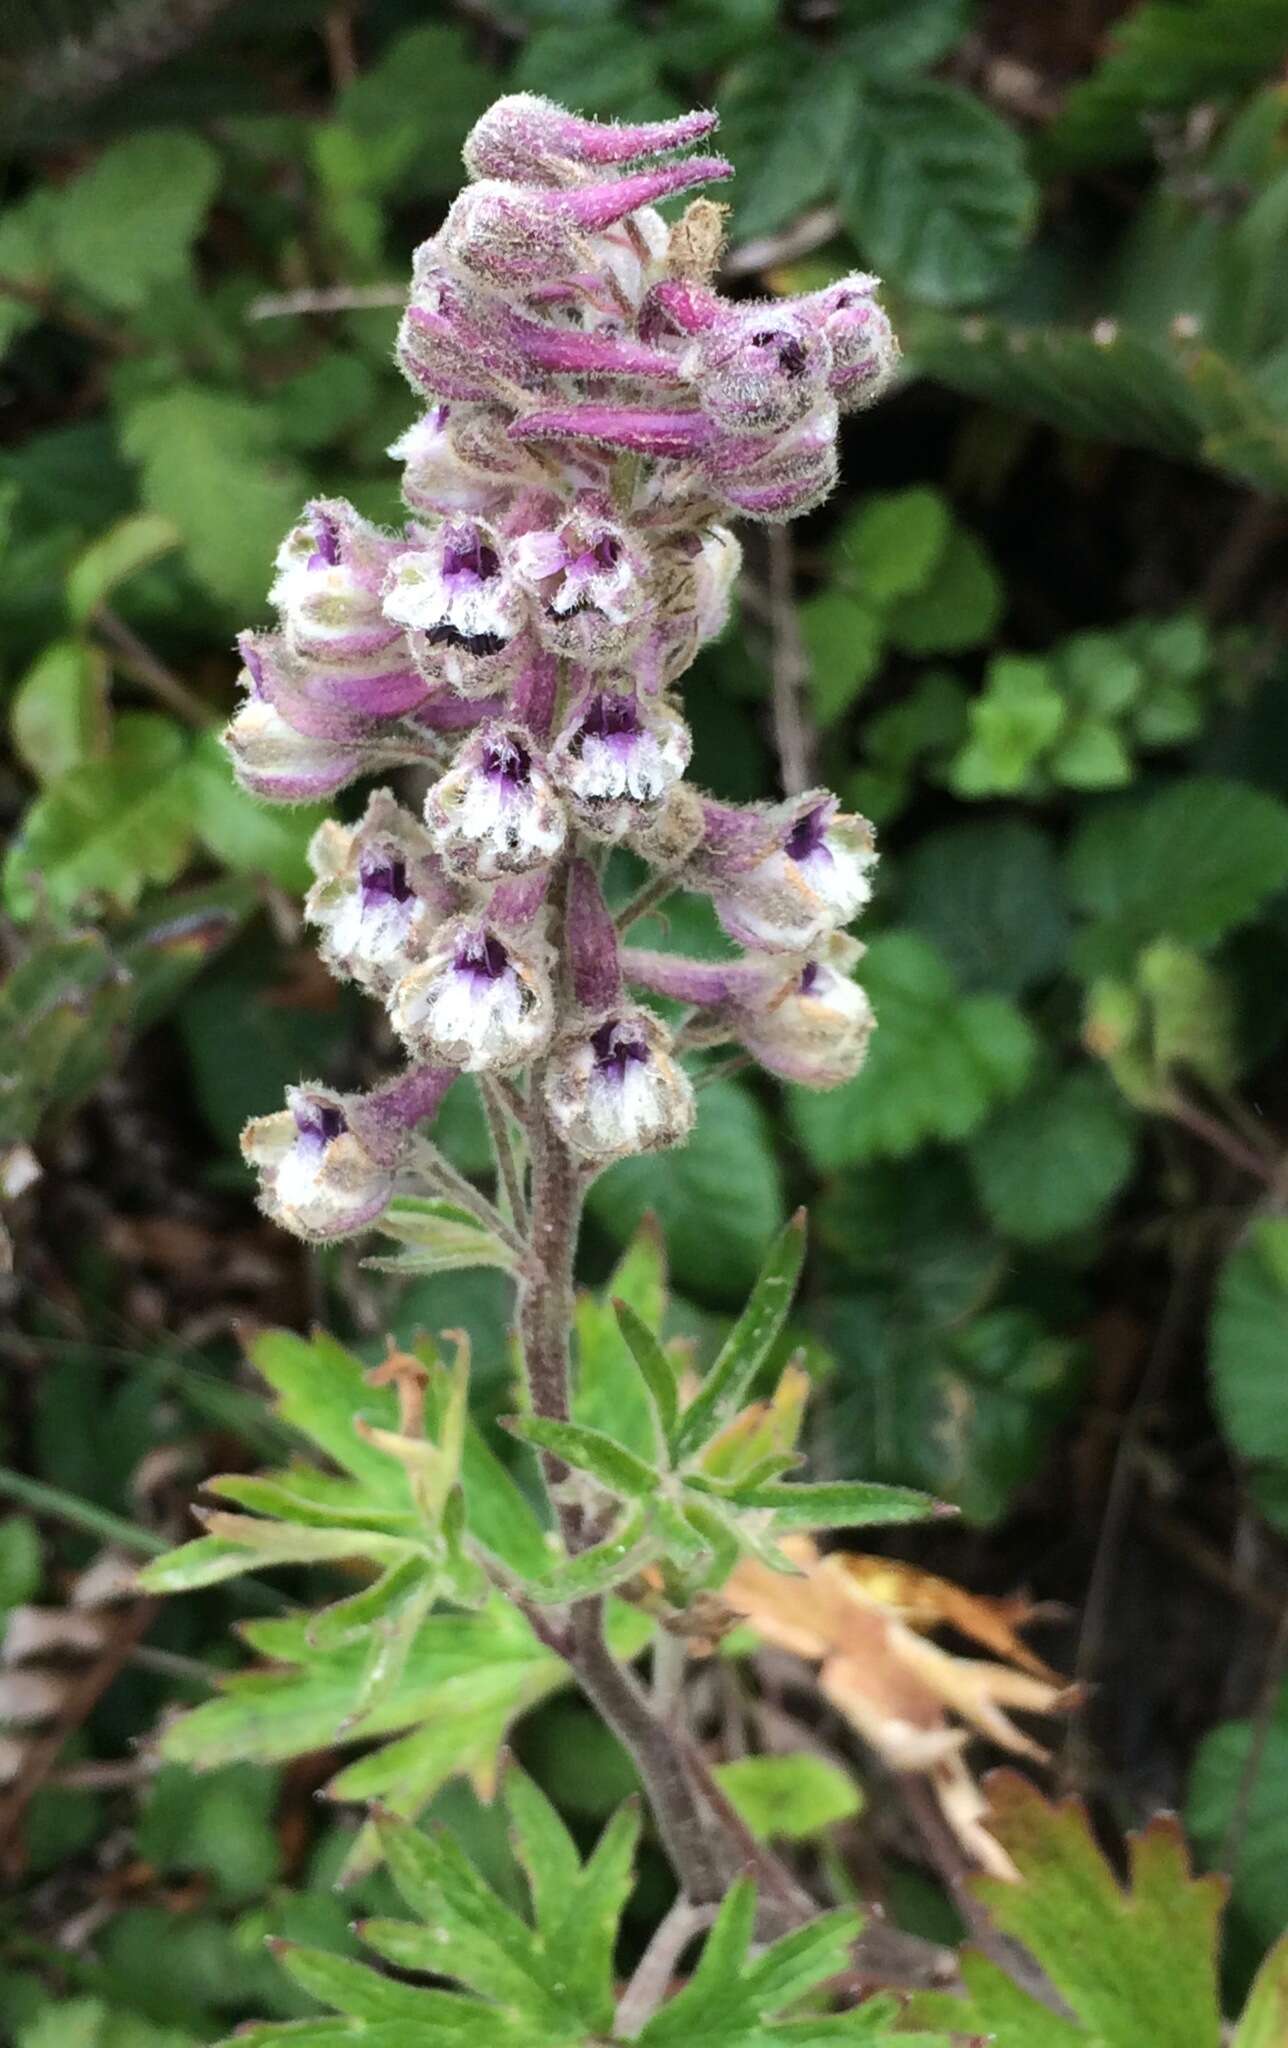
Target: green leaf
<point>210,463</point>
<point>132,544</point>
<point>599,1568</point>
<point>989,895</point>
<point>1247,1356</point>
<point>1238,1792</point>
<point>748,1345</point>
<point>656,1369</point>
<point>935,191</point>
<point>894,542</point>
<point>884,38</point>
<point>615,67</point>
<point>1090,755</point>
<point>20,1561</point>
<point>609,1392</point>
<point>108,827</point>
<point>412,109</point>
<point>58,714</point>
<point>840,1504</point>
<point>717,1199</point>
<point>843,644</point>
<point>245,836</point>
<point>220,1825</point>
<point>543,1846</point>
<point>440,1237</point>
<point>588,1450</point>
<point>1191,863</point>
<point>1012,726</point>
<point>939,1062</point>
<point>959,607</point>
<point>1265,2016</point>
<point>126,226</point>
<point>1164,56</point>
<point>785,117</point>
<point>1052,1162</point>
<point>791,1797</point>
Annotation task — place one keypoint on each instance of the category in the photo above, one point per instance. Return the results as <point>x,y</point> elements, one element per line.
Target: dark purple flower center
<point>471,556</point>
<point>807,834</point>
<point>319,1122</point>
<point>383,877</point>
<point>607,552</point>
<point>326,541</point>
<point>509,762</point>
<point>811,976</point>
<point>610,716</point>
<point>482,956</point>
<point>790,352</point>
<point>618,1046</point>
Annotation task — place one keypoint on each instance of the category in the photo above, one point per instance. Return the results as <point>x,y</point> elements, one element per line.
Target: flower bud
<point>667,840</point>
<point>692,583</point>
<point>458,458</point>
<point>496,812</point>
<point>783,893</point>
<point>328,1163</point>
<point>815,1028</point>
<point>616,760</point>
<point>271,760</point>
<point>588,581</point>
<point>462,606</point>
<point>479,1000</point>
<point>778,476</point>
<point>330,569</point>
<point>865,353</point>
<point>759,368</point>
<point>613,1088</point>
<point>510,236</point>
<point>334,700</point>
<point>378,897</point>
<point>526,137</point>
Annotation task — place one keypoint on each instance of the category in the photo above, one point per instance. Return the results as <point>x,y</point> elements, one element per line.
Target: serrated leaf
<point>785,117</point>
<point>883,38</point>
<point>789,1797</point>
<point>1190,863</point>
<point>411,110</point>
<point>127,224</point>
<point>1052,1162</point>
<point>1264,2023</point>
<point>599,1568</point>
<point>747,1346</point>
<point>935,191</point>
<point>938,1063</point>
<point>107,827</point>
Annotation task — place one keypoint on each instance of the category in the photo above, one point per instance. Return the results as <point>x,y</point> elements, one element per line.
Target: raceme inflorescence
<point>595,416</point>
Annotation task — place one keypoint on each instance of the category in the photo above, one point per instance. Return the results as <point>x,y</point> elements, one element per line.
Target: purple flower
<point>328,1163</point>
<point>815,1028</point>
<point>588,582</point>
<point>617,759</point>
<point>481,999</point>
<point>462,606</point>
<point>330,569</point>
<point>760,368</point>
<point>496,811</point>
<point>782,879</point>
<point>379,894</point>
<point>613,1089</point>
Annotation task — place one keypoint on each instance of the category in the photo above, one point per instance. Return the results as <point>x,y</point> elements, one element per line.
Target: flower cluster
<point>595,412</point>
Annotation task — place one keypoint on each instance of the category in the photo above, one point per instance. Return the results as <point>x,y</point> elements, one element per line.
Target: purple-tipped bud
<point>528,138</point>
<point>438,476</point>
<point>816,875</point>
<point>587,580</point>
<point>379,894</point>
<point>779,476</point>
<point>271,760</point>
<point>865,353</point>
<point>617,759</point>
<point>509,236</point>
<point>496,811</point>
<point>480,1000</point>
<point>462,607</point>
<point>677,305</point>
<point>631,428</point>
<point>328,1163</point>
<point>590,940</point>
<point>571,351</point>
<point>815,1028</point>
<point>445,354</point>
<point>760,368</point>
<point>614,1089</point>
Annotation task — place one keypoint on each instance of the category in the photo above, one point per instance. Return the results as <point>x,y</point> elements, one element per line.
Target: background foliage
<point>1039,638</point>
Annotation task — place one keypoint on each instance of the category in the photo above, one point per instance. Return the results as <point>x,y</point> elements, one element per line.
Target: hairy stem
<point>546,1283</point>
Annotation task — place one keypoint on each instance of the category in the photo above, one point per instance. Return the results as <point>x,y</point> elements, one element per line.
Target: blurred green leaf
<point>221,1825</point>
<point>247,837</point>
<point>959,607</point>
<point>1265,2016</point>
<point>412,109</point>
<point>1012,725</point>
<point>127,224</point>
<point>785,115</point>
<point>128,546</point>
<point>1053,1161</point>
<point>989,895</point>
<point>938,1063</point>
<point>843,644</point>
<point>20,1561</point>
<point>58,716</point>
<point>894,541</point>
<point>884,38</point>
<point>935,191</point>
<point>1241,1769</point>
<point>1248,1352</point>
<point>616,68</point>
<point>791,1797</point>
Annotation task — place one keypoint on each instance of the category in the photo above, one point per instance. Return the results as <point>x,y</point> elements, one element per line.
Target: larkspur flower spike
<point>594,414</point>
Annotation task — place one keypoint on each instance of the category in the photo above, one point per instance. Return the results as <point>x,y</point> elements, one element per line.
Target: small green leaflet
<point>747,1347</point>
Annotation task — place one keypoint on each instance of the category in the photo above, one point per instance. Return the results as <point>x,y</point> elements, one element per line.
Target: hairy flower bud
<point>613,1088</point>
<point>616,760</point>
<point>328,1163</point>
<point>509,236</point>
<point>330,570</point>
<point>479,1000</point>
<point>782,879</point>
<point>864,351</point>
<point>588,582</point>
<point>760,368</point>
<point>462,606</point>
<point>524,136</point>
<point>379,895</point>
<point>815,1028</point>
<point>496,812</point>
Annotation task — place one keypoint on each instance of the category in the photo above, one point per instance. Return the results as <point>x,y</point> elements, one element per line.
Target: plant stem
<point>455,1186</point>
<point>546,1285</point>
<point>509,1172</point>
